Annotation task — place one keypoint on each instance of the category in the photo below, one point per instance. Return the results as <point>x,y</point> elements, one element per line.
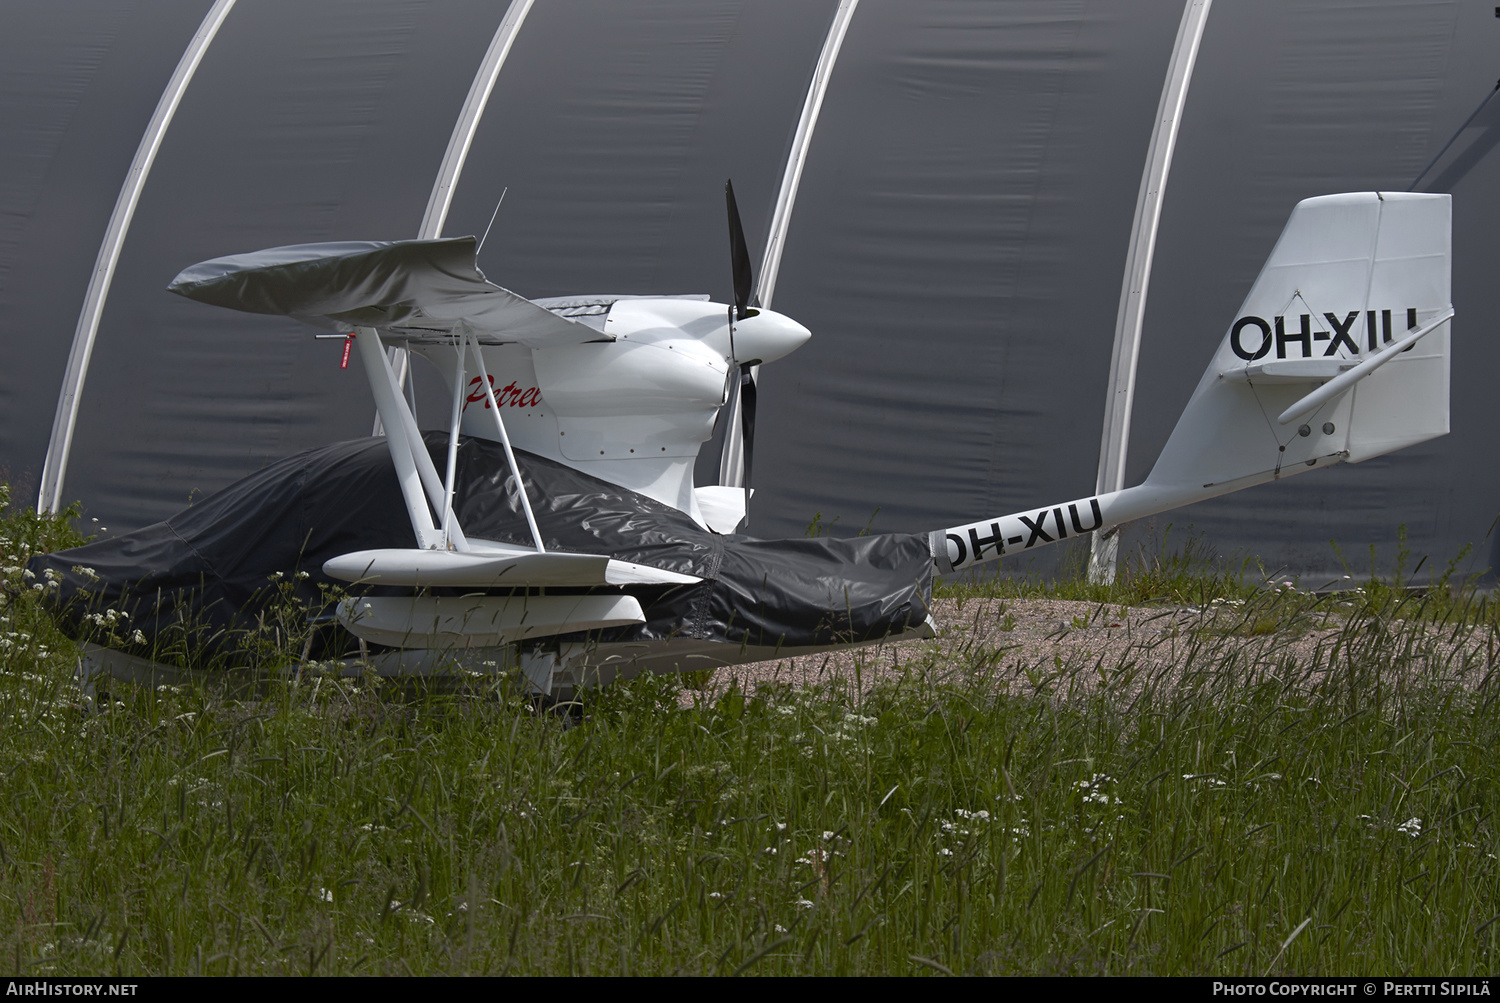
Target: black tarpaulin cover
<point>219,564</point>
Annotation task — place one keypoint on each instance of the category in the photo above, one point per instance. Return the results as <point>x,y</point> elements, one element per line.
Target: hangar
<point>957,243</point>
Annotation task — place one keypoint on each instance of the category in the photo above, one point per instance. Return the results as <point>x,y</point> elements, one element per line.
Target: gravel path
<point>1072,646</point>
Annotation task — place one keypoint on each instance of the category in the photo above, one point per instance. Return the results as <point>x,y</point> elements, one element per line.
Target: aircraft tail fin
<point>1339,353</point>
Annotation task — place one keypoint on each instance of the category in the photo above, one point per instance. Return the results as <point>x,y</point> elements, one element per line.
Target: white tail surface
<point>1339,353</point>
<point>1350,274</point>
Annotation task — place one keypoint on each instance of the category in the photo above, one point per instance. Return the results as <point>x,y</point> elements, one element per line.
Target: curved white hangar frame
<point>732,460</point>
<point>60,444</point>
<point>1115,441</point>
<point>468,120</point>
<point>458,148</point>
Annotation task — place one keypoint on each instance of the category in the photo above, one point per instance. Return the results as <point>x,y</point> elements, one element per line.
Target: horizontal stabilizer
<point>491,569</point>
<point>413,290</point>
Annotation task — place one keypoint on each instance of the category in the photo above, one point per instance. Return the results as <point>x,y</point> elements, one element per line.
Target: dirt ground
<point>1064,644</point>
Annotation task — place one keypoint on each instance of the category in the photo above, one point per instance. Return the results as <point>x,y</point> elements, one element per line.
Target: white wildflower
<point>1412,827</point>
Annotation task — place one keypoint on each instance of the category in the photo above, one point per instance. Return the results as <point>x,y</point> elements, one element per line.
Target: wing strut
<point>430,480</point>
<point>414,466</point>
<point>510,457</point>
<point>455,416</point>
<point>404,454</point>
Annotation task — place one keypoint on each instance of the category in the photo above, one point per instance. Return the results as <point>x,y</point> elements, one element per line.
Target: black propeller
<point>747,422</point>
<point>739,256</point>
<point>734,465</point>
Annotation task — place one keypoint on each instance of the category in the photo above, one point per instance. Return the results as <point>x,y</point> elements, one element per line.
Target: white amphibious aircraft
<point>591,411</point>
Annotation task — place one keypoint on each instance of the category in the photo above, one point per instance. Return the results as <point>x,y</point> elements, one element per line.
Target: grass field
<point>1244,813</point>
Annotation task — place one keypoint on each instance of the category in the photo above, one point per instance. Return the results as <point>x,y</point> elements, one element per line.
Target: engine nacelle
<point>634,409</point>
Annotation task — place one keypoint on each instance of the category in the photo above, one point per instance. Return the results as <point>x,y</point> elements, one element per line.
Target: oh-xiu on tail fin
<point>1339,353</point>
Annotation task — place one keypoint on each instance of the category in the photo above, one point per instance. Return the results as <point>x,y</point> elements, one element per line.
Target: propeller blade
<point>739,256</point>
<point>739,435</point>
<point>747,424</point>
<point>731,457</point>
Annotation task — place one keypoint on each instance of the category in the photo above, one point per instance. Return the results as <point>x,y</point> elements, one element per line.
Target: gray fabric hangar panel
<point>304,122</point>
<point>957,251</point>
<point>1293,100</point>
<point>956,246</point>
<point>78,83</point>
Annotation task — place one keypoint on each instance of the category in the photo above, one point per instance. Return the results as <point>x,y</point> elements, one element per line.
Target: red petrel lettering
<point>509,395</point>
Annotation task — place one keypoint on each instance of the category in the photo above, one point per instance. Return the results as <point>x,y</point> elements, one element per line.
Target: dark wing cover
<point>409,288</point>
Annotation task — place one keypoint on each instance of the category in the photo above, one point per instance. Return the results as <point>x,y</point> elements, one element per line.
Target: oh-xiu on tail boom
<point>565,535</point>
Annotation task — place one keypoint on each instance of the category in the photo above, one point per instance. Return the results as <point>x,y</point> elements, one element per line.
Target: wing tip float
<point>493,569</point>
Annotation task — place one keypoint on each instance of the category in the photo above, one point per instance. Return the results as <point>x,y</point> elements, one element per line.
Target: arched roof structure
<point>956,245</point>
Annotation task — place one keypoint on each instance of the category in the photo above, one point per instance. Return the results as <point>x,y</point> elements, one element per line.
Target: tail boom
<point>963,547</point>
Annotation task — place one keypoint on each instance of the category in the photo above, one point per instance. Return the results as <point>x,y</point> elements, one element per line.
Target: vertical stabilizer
<point>1350,275</point>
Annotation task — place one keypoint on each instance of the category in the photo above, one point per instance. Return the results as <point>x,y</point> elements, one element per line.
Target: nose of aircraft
<point>767,336</point>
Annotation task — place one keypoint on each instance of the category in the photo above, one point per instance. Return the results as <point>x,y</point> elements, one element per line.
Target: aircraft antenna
<point>492,222</point>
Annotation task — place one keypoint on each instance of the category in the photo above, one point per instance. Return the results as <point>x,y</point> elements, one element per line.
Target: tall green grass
<point>1186,570</point>
<point>1240,811</point>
